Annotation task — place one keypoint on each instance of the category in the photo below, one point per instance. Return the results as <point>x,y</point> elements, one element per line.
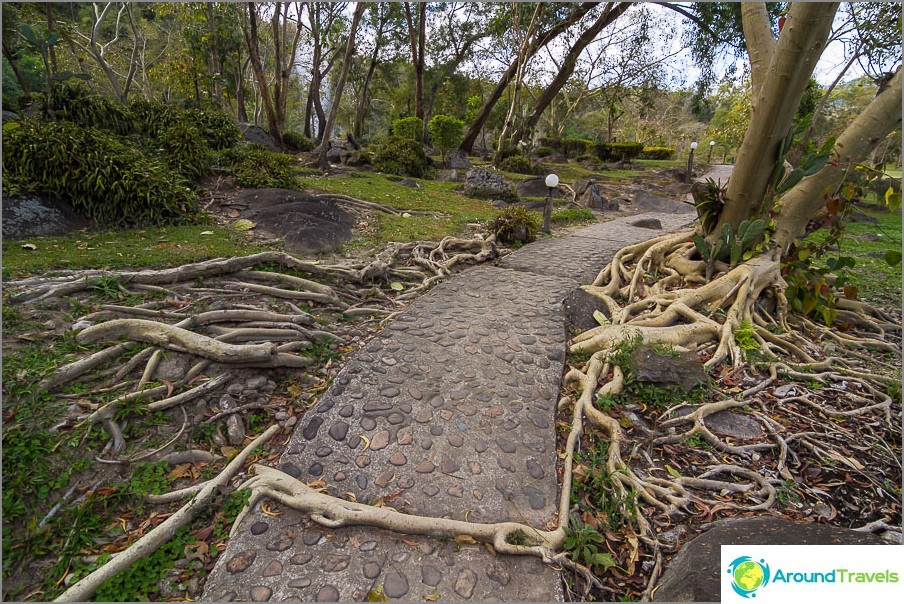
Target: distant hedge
<point>657,153</point>
<point>618,152</point>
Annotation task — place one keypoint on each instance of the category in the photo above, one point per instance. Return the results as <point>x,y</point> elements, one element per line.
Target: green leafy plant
<point>187,151</point>
<point>403,157</point>
<point>106,180</point>
<point>256,167</point>
<point>544,151</point>
<point>514,225</point>
<point>744,336</point>
<point>657,153</point>
<point>618,152</point>
<point>140,581</point>
<point>583,542</point>
<point>575,147</point>
<point>519,164</point>
<point>446,133</point>
<point>410,128</point>
<point>297,141</point>
<point>149,479</point>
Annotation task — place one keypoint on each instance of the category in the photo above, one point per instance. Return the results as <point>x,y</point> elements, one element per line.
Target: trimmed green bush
<point>519,164</point>
<point>77,104</point>
<point>186,149</point>
<point>411,128</point>
<point>514,226</point>
<point>403,157</point>
<point>575,147</point>
<point>105,180</point>
<point>256,167</point>
<point>446,132</point>
<point>618,152</point>
<point>657,153</point>
<point>544,151</point>
<point>297,141</point>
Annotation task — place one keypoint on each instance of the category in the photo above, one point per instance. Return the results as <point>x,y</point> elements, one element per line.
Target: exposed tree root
<point>150,542</point>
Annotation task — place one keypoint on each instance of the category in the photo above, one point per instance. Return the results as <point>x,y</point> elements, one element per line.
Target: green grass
<point>878,282</point>
<point>131,248</point>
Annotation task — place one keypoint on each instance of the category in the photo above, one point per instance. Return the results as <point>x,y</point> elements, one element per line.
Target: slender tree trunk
<point>505,79</point>
<point>775,105</point>
<point>609,15</point>
<point>340,86</point>
<point>361,109</point>
<point>861,136</point>
<point>51,26</point>
<point>416,40</point>
<point>214,56</point>
<point>251,41</point>
<point>26,89</point>
<point>240,111</point>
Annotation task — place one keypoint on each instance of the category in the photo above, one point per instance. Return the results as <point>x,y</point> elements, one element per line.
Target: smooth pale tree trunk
<point>542,40</point>
<point>340,85</point>
<point>609,15</point>
<point>857,141</point>
<point>416,39</point>
<point>257,67</point>
<point>775,103</point>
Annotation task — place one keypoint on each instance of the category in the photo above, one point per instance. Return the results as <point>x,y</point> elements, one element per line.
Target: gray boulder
<point>684,370</point>
<point>647,223</point>
<point>457,160</point>
<point>579,307</point>
<point>39,216</point>
<point>9,116</point>
<point>654,203</point>
<point>695,573</point>
<point>258,136</point>
<point>536,187</point>
<point>593,198</point>
<point>336,155</point>
<point>447,175</point>
<point>484,184</point>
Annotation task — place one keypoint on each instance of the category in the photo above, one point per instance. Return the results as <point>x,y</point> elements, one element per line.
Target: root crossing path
<point>448,412</point>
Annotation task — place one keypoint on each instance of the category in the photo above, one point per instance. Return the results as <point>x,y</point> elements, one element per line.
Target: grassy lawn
<point>878,282</point>
<point>129,248</point>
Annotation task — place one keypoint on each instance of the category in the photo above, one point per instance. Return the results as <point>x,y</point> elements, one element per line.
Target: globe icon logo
<point>748,575</point>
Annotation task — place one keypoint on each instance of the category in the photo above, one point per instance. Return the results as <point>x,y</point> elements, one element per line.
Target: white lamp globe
<point>694,145</point>
<point>712,143</point>
<point>552,181</point>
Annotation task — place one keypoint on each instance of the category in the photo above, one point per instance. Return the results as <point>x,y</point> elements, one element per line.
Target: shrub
<point>553,143</point>
<point>104,179</point>
<point>446,132</point>
<point>544,151</point>
<point>186,150</point>
<point>519,164</point>
<point>621,152</point>
<point>259,168</point>
<point>297,141</point>
<point>575,147</point>
<point>514,225</point>
<point>403,157</point>
<point>218,129</point>
<point>77,104</point>
<point>657,153</point>
<point>411,128</point>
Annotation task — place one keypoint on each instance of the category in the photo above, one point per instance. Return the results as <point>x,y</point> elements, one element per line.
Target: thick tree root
<point>151,542</point>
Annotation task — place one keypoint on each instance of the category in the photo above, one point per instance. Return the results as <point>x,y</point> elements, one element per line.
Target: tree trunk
<point>340,85</point>
<point>214,56</point>
<point>362,101</point>
<point>51,26</point>
<point>861,136</point>
<point>251,41</point>
<point>609,15</point>
<point>241,113</point>
<point>26,89</point>
<point>542,40</point>
<point>775,105</point>
<point>416,40</point>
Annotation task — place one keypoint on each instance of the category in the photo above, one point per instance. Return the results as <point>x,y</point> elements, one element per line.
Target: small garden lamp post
<point>552,181</point>
<point>710,154</point>
<point>688,177</point>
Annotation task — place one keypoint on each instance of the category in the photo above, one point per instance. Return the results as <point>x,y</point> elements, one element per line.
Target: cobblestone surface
<point>448,412</point>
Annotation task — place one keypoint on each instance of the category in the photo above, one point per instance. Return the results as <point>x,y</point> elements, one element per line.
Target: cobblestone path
<point>456,399</point>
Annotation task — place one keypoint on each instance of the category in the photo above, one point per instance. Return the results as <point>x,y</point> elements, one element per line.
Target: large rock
<point>593,198</point>
<point>258,136</point>
<point>579,307</point>
<point>536,187</point>
<point>694,574</point>
<point>9,116</point>
<point>307,226</point>
<point>457,160</point>
<point>654,203</point>
<point>684,369</point>
<point>39,216</point>
<point>484,184</point>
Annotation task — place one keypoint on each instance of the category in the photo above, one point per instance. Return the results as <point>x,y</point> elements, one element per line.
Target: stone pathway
<point>457,400</point>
